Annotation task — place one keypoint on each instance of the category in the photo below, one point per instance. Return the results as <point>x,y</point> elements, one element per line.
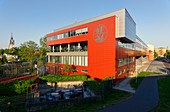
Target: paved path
<point>157,66</point>
<point>145,98</point>
<point>125,84</point>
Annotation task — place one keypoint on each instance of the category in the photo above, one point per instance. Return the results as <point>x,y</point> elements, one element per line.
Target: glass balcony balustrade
<point>71,47</point>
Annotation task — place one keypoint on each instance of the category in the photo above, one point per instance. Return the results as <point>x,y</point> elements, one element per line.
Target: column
<point>60,48</point>
<point>48,59</point>
<point>78,46</point>
<point>53,48</point>
<point>68,47</point>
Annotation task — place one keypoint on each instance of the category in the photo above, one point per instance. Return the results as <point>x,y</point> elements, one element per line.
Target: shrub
<point>54,78</point>
<point>17,87</point>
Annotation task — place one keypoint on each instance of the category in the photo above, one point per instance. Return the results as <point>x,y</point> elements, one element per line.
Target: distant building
<point>161,51</point>
<point>10,56</point>
<point>11,44</point>
<point>150,49</point>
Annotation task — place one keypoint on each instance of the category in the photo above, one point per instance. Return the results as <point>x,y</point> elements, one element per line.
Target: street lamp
<point>9,106</point>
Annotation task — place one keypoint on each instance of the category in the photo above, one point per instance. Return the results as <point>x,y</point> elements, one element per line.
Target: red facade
<point>103,50</point>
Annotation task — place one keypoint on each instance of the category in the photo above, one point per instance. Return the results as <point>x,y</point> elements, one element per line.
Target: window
<point>123,70</point>
<point>60,67</point>
<point>69,34</point>
<point>84,31</point>
<point>66,35</point>
<point>119,73</point>
<point>72,33</point>
<point>82,70</point>
<point>75,69</point>
<point>127,69</point>
<point>78,32</point>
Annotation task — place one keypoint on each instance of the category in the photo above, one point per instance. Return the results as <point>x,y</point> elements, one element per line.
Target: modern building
<point>11,43</point>
<point>103,46</point>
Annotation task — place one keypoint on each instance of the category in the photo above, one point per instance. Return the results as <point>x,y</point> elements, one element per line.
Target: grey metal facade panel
<point>67,53</point>
<point>130,27</point>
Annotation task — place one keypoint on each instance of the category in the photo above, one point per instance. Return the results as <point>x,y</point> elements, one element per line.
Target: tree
<point>4,59</point>
<point>167,54</point>
<point>1,51</point>
<point>67,68</point>
<point>27,51</point>
<point>43,41</point>
<point>155,54</point>
<point>42,53</point>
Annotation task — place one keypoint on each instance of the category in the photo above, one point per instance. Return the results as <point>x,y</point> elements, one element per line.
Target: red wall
<point>101,56</point>
<point>124,53</point>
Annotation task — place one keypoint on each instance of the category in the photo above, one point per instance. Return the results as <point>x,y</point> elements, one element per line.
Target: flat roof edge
<point>110,14</point>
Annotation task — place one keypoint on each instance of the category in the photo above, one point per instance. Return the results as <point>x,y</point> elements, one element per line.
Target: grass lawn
<point>113,97</point>
<point>17,103</point>
<point>140,78</point>
<point>164,95</point>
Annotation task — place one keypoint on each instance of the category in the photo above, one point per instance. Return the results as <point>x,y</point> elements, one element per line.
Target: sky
<point>33,19</point>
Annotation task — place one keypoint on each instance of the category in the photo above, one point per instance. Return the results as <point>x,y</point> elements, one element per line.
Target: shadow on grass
<point>136,81</point>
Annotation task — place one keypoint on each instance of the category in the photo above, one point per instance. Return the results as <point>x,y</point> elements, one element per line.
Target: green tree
<point>167,54</point>
<point>43,41</point>
<point>42,53</point>
<point>1,51</point>
<point>6,51</point>
<point>27,51</point>
<point>155,54</point>
<point>4,59</point>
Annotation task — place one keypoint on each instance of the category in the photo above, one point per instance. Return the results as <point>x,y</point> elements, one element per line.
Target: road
<point>146,96</point>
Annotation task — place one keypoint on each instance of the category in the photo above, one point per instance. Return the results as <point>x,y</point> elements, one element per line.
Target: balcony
<point>70,47</point>
<point>80,53</point>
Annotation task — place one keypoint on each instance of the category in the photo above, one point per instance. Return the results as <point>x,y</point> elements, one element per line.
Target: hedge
<point>17,87</point>
<point>54,78</point>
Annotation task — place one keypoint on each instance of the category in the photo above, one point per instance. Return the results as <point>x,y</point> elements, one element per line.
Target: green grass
<point>164,95</point>
<point>113,97</point>
<point>140,78</point>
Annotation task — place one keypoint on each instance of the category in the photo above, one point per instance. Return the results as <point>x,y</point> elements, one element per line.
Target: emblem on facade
<point>100,33</point>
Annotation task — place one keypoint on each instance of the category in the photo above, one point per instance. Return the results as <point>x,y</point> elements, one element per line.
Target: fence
<point>106,87</point>
<point>19,78</point>
<point>41,105</point>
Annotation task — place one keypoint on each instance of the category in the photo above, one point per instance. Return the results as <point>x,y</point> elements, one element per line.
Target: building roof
<point>114,13</point>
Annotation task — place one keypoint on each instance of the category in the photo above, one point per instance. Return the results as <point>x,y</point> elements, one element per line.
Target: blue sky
<point>32,19</point>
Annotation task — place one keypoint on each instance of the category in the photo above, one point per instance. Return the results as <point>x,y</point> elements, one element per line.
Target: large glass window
<point>69,34</point>
<point>72,33</point>
<point>73,60</point>
<point>124,61</point>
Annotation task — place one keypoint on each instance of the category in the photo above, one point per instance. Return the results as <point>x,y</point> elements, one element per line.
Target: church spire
<point>11,43</point>
<point>11,36</point>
